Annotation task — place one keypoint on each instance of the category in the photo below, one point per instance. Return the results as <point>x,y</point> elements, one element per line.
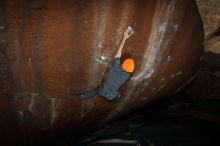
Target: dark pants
<point>93,93</point>
<point>89,94</point>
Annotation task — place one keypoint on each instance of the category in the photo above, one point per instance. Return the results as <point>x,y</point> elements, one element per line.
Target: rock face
<point>205,88</point>
<point>210,13</point>
<point>53,50</point>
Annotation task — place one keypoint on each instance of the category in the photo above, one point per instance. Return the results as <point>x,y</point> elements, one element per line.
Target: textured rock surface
<point>208,83</point>
<point>205,88</point>
<point>53,50</point>
<point>210,13</point>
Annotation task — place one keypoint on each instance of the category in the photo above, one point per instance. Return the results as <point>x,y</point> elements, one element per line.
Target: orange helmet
<point>128,65</point>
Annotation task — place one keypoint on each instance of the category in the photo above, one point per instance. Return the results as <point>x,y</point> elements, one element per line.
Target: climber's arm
<point>127,34</point>
<point>138,76</point>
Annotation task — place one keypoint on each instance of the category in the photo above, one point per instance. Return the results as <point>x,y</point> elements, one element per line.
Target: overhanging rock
<point>52,50</point>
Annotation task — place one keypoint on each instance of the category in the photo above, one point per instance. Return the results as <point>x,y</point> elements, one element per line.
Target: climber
<point>120,71</point>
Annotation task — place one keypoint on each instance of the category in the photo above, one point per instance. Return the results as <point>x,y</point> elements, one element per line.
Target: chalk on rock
<point>130,30</point>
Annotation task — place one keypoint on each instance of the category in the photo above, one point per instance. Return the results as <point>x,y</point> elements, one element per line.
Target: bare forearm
<point>127,34</point>
<point>138,76</point>
<point>119,52</point>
